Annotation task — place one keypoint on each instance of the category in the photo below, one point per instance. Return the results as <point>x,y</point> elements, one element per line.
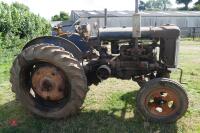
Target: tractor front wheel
<point>162,100</point>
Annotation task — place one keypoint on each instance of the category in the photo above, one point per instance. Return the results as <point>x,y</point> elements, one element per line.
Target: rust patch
<point>162,102</point>
<point>48,82</point>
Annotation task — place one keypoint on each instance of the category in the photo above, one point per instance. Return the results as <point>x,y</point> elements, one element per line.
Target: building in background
<point>188,21</point>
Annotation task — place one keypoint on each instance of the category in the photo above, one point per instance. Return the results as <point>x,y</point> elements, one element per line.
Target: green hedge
<point>18,25</point>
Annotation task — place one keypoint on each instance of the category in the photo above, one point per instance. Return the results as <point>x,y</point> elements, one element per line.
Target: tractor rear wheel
<point>162,100</point>
<point>49,81</point>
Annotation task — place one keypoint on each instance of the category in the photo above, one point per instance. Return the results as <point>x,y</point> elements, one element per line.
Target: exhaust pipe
<point>105,17</point>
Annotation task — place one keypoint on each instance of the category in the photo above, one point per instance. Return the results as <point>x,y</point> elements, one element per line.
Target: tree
<point>157,4</point>
<point>55,18</point>
<point>197,6</point>
<point>63,16</point>
<point>166,4</point>
<point>198,2</point>
<point>20,6</point>
<point>185,2</point>
<point>142,6</point>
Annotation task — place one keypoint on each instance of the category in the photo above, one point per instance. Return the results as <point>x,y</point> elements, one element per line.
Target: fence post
<point>193,33</point>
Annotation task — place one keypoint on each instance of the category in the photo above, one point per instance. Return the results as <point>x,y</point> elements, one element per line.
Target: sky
<point>48,8</point>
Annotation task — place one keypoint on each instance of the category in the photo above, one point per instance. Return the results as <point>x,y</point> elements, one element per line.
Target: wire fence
<point>193,32</point>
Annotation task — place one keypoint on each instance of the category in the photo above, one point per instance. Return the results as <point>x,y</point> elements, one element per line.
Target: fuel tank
<point>123,33</point>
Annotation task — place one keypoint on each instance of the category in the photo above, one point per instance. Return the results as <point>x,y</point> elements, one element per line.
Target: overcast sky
<point>48,8</point>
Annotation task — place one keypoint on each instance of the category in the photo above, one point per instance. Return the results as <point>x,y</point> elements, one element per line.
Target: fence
<point>193,32</point>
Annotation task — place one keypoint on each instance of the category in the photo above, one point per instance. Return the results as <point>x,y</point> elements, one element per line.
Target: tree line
<point>18,24</point>
<point>165,4</point>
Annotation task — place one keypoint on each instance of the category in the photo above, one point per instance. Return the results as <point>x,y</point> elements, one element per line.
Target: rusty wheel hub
<point>48,82</point>
<point>162,102</point>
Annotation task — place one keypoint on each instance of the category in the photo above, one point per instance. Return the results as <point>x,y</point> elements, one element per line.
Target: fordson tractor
<point>52,74</point>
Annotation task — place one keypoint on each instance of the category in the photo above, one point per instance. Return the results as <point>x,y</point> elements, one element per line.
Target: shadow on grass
<point>150,127</point>
<point>86,121</point>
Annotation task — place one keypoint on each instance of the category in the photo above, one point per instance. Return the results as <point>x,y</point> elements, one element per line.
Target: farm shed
<point>188,21</point>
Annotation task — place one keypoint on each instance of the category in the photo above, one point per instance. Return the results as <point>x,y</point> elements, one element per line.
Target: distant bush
<point>18,24</point>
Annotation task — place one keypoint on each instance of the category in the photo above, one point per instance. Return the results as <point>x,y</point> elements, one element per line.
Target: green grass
<point>108,107</point>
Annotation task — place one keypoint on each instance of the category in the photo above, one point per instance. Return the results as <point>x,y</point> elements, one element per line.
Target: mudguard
<point>57,41</point>
<point>79,42</point>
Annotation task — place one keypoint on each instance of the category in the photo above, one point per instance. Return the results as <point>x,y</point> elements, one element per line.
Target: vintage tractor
<point>52,73</point>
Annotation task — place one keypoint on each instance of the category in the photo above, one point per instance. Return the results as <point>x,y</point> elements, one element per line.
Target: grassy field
<point>108,108</point>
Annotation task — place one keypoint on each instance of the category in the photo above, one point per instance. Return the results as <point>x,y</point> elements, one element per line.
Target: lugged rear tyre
<point>21,74</point>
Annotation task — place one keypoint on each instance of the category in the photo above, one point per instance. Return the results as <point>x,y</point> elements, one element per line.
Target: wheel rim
<point>162,102</point>
<point>48,82</point>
